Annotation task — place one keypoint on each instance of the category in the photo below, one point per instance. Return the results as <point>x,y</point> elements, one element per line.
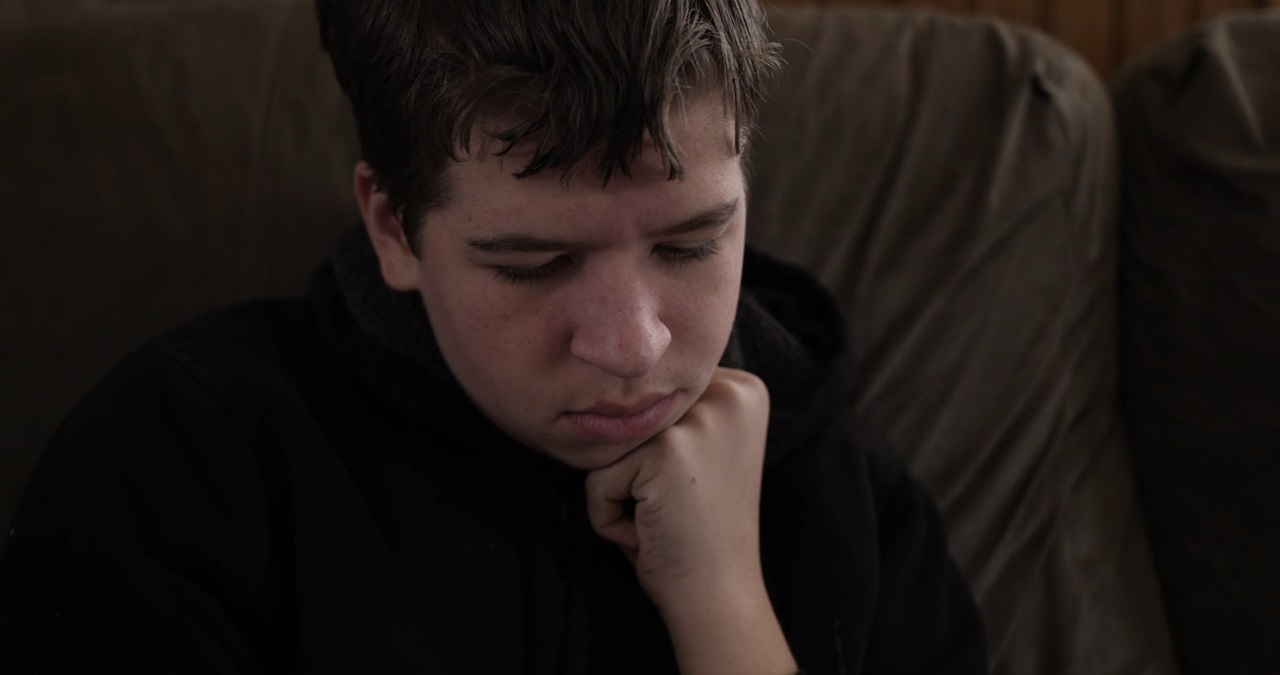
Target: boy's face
<point>583,319</point>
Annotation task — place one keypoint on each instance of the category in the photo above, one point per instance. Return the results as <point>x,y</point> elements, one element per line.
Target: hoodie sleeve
<point>142,543</point>
<point>926,620</point>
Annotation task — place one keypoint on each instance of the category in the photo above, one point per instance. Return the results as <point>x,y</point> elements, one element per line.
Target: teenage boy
<point>544,412</point>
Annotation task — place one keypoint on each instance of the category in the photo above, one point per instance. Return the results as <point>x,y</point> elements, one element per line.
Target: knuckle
<point>747,387</point>
<point>749,379</point>
<point>669,452</point>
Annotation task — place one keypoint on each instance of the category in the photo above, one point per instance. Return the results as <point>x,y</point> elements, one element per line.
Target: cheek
<point>466,323</point>
<point>704,317</point>
<point>487,335</point>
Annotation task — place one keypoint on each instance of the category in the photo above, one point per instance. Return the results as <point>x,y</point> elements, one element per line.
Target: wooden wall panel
<point>1022,11</point>
<point>950,5</point>
<point>1146,22</point>
<point>1106,32</point>
<point>1090,26</point>
<point>1211,7</point>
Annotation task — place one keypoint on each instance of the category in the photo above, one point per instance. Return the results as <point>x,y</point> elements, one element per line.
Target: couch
<point>1064,298</point>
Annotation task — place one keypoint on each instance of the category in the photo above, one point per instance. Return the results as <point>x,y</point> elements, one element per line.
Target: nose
<point>618,328</point>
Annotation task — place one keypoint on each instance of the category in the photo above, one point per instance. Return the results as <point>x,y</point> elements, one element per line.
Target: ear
<point>397,259</point>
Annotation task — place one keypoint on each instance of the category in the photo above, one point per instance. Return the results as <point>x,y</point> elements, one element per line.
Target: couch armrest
<point>1200,128</point>
<point>952,179</point>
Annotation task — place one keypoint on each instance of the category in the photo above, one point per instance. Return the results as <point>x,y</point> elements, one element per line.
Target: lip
<point>622,422</point>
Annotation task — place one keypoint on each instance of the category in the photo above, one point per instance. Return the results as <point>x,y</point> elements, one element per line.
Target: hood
<point>791,333</point>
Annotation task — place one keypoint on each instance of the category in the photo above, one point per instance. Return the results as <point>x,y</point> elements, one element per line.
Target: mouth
<point>623,422</point>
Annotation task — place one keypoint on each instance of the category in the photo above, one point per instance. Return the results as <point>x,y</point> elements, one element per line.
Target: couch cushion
<point>953,181</point>
<point>1200,120</point>
<point>166,158</point>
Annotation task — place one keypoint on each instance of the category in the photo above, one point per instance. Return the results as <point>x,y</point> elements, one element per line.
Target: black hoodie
<point>302,486</point>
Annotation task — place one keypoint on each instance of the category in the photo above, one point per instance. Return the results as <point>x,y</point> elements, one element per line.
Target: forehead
<point>485,194</point>
<point>703,133</point>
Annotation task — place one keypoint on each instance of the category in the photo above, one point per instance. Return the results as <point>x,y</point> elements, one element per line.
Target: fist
<point>685,505</point>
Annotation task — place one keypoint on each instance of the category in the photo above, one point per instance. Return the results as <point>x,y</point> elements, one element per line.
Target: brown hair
<point>569,76</point>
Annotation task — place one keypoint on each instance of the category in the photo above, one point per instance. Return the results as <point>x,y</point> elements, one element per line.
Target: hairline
<point>742,149</point>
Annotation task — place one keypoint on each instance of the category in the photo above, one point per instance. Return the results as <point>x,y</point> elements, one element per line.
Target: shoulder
<point>181,419</point>
<point>263,335</point>
<point>236,356</point>
<point>193,394</point>
<point>158,496</point>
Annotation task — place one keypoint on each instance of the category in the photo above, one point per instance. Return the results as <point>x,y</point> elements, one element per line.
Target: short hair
<point>572,77</point>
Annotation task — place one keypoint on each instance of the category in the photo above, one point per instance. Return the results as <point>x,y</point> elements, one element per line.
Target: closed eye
<point>683,255</point>
<point>527,274</point>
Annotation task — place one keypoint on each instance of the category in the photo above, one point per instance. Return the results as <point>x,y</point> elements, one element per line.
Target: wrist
<point>723,575</point>
<point>728,628</point>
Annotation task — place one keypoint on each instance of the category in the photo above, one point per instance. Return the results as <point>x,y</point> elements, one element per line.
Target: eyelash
<point>676,255</point>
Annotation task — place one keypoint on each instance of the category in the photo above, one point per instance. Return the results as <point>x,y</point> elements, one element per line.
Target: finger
<point>623,533</point>
<point>608,497</point>
<point>631,553</point>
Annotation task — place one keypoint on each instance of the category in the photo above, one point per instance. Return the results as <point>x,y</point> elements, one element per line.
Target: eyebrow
<point>518,243</point>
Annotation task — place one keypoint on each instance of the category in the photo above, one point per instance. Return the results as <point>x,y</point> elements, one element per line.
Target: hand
<point>694,536</point>
<point>695,489</point>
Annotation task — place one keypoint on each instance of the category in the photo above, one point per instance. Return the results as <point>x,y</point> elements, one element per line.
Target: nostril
<point>627,349</point>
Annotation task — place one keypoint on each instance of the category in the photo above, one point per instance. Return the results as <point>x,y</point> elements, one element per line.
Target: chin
<point>592,457</point>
